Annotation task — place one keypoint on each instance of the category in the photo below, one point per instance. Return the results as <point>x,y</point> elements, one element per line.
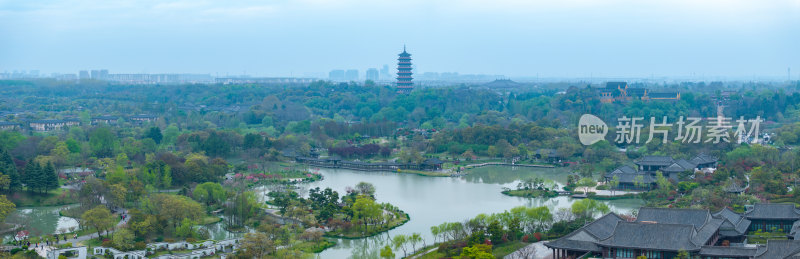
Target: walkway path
<point>533,251</point>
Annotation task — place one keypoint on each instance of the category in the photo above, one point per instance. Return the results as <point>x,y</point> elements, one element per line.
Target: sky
<point>516,38</point>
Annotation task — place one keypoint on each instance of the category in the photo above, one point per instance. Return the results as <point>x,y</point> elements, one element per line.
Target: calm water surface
<point>430,201</point>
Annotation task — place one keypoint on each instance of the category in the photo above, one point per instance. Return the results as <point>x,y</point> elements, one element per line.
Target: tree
<point>6,207</point>
<point>682,254</point>
<point>586,183</point>
<point>102,141</point>
<point>366,210</point>
<point>8,168</point>
<point>614,184</point>
<point>50,177</point>
<point>209,192</point>
<point>399,242</point>
<point>123,239</point>
<point>414,239</point>
<point>155,134</point>
<point>257,245</point>
<point>586,208</point>
<point>365,188</point>
<point>99,218</point>
<point>386,252</point>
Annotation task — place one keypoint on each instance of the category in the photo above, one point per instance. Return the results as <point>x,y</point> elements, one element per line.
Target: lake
<point>430,201</point>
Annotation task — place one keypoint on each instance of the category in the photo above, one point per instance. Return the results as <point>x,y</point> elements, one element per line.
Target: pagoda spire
<point>404,74</point>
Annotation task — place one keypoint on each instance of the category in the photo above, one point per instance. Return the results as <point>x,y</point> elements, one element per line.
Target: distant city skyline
<point>301,38</point>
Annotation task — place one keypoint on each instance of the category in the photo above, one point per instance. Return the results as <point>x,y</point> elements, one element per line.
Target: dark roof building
<point>663,232</point>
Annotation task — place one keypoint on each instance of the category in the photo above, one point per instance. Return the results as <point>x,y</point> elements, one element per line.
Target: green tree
<point>209,192</point>
<point>123,239</point>
<point>99,218</point>
<point>154,133</point>
<point>102,141</point>
<point>386,252</point>
<point>366,210</point>
<point>614,184</point>
<point>365,188</point>
<point>399,242</point>
<point>6,207</point>
<point>586,183</point>
<point>50,177</point>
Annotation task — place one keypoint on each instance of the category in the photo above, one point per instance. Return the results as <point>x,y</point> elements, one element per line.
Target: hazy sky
<point>572,38</point>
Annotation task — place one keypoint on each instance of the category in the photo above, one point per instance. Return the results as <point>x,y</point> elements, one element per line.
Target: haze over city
<point>576,38</point>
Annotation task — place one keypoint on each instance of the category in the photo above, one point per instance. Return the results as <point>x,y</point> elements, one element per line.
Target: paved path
<point>533,251</point>
<point>426,252</point>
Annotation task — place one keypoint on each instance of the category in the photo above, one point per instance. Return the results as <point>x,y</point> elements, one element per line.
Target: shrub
<point>538,236</point>
<point>139,245</point>
<point>525,238</point>
<point>107,243</point>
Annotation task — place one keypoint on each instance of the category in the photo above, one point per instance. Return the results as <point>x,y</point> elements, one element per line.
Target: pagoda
<point>404,84</point>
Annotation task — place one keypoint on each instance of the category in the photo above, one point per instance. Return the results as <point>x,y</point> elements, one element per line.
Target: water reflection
<point>40,221</point>
<point>432,200</point>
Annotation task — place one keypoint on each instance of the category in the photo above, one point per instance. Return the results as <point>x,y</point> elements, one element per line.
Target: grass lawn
<point>55,197</point>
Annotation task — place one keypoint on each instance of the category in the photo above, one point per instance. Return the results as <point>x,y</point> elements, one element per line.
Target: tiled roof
<point>780,249</point>
<point>665,237</point>
<point>655,160</point>
<point>727,251</point>
<point>663,95</point>
<point>585,238</point>
<point>773,211</point>
<point>694,217</point>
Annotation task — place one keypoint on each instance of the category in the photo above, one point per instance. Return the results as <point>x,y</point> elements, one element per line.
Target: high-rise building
<point>372,74</point>
<point>351,75</point>
<point>83,74</point>
<point>404,84</point>
<point>336,75</point>
<point>385,73</point>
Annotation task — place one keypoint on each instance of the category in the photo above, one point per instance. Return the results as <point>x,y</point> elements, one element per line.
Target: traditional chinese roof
<point>704,159</point>
<point>663,237</point>
<point>675,167</point>
<point>433,161</point>
<point>780,249</point>
<point>586,237</point>
<point>735,224</point>
<point>694,217</point>
<point>637,92</point>
<point>623,170</point>
<point>655,161</point>
<point>615,85</point>
<point>685,164</point>
<point>663,95</point>
<point>626,174</point>
<point>773,211</point>
<point>728,251</point>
